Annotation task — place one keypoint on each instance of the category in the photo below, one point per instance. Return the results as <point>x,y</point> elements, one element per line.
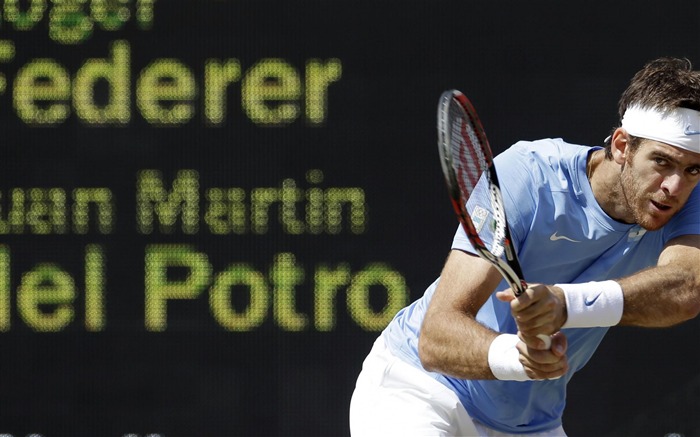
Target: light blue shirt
<point>562,236</point>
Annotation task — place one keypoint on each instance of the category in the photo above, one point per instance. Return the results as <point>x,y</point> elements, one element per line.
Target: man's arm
<point>668,293</point>
<point>452,342</point>
<point>664,295</point>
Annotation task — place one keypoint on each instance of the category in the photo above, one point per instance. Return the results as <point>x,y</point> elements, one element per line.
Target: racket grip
<point>546,339</point>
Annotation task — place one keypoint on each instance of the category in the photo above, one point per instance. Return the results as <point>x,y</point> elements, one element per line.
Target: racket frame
<point>510,267</point>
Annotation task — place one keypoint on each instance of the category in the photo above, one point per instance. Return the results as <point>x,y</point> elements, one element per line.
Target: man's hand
<point>545,364</point>
<point>539,310</point>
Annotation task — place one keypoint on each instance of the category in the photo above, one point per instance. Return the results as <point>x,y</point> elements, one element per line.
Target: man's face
<point>657,180</point>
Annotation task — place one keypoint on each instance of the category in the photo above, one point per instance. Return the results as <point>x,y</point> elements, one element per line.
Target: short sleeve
<point>519,177</point>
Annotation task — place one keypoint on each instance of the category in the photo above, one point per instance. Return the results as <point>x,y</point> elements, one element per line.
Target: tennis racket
<point>466,159</point>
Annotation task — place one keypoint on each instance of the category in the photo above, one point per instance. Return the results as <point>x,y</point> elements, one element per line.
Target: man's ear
<point>618,145</point>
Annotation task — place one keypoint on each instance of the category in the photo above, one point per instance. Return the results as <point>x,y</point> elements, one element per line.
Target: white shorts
<point>393,398</point>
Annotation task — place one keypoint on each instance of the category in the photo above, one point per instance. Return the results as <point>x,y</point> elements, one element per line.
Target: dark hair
<point>663,83</point>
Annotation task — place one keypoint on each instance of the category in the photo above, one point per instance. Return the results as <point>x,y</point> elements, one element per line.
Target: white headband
<point>679,127</point>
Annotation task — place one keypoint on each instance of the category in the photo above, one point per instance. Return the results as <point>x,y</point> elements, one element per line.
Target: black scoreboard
<point>209,209</point>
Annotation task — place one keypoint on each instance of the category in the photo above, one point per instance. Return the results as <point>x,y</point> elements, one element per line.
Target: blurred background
<point>209,209</point>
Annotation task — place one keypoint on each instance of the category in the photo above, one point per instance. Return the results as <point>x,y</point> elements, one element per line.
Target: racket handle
<point>546,339</point>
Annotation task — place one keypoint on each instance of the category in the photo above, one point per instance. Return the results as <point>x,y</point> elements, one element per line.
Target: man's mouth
<point>660,206</point>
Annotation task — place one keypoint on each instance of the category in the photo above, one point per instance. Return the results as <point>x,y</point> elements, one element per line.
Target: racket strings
<point>469,171</point>
<point>467,156</point>
<point>471,165</point>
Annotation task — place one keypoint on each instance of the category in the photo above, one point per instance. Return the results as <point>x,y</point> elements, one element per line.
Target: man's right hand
<point>545,364</point>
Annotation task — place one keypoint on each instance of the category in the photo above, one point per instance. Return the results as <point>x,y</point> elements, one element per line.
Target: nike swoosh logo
<point>555,237</point>
<point>688,131</point>
<point>588,301</point>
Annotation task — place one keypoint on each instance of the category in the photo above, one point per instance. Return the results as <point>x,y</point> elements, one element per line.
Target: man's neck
<point>604,177</point>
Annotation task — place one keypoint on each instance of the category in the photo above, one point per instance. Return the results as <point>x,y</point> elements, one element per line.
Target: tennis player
<point>614,232</point>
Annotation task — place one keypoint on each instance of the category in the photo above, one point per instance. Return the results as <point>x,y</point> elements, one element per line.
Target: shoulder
<point>544,159</point>
<point>547,150</point>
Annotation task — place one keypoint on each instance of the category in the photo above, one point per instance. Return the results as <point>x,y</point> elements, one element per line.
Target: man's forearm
<point>661,296</point>
<point>456,345</point>
<point>451,341</point>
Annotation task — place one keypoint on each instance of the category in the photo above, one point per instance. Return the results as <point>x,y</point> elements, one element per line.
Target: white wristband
<point>504,359</point>
<point>593,304</point>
